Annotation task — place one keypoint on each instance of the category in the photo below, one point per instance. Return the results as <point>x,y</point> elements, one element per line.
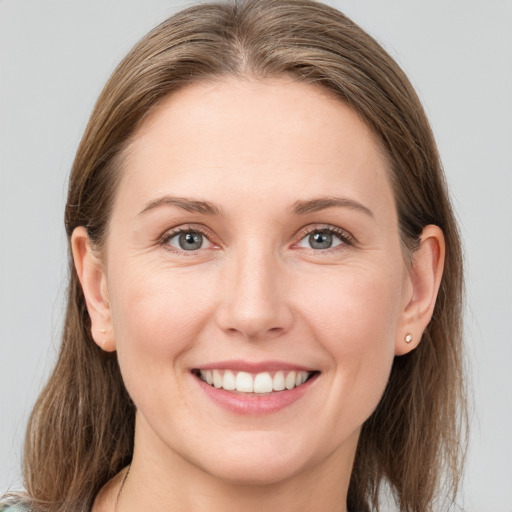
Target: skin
<point>255,291</point>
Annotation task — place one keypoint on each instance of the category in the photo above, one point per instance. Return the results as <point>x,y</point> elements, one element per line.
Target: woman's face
<point>254,242</point>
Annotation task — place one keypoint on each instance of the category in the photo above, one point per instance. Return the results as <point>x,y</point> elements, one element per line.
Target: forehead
<point>256,139</point>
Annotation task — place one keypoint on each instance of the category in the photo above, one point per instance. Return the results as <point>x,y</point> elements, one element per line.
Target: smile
<point>255,388</point>
<point>260,383</point>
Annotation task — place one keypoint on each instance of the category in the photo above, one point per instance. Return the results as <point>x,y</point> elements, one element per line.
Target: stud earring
<point>408,338</point>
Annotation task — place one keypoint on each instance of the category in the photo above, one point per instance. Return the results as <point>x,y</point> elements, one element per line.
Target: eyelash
<point>169,235</point>
<point>345,237</point>
<point>341,234</point>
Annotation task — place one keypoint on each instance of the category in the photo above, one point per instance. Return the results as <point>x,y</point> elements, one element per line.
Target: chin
<point>254,473</point>
<point>260,462</point>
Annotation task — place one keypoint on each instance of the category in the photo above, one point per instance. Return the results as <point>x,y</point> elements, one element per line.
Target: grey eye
<point>191,241</point>
<point>320,240</point>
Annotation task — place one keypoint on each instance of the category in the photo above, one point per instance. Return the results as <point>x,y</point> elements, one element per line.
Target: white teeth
<point>244,382</point>
<point>229,381</point>
<point>289,382</point>
<point>301,378</point>
<point>217,379</point>
<point>263,383</point>
<point>278,382</point>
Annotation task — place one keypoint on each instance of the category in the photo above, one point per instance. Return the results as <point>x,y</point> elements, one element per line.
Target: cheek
<point>353,308</point>
<point>355,320</point>
<point>157,315</point>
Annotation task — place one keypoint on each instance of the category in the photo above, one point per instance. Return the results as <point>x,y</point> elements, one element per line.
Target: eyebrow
<point>189,205</point>
<point>298,207</point>
<point>322,203</point>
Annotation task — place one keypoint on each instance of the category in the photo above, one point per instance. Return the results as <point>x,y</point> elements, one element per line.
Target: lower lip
<point>252,403</point>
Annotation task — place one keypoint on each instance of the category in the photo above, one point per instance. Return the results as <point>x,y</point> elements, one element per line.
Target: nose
<point>254,297</point>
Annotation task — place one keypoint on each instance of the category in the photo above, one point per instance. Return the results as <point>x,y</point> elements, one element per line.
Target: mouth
<point>262,383</point>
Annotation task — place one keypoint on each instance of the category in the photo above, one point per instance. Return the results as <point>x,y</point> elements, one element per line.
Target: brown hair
<point>81,430</point>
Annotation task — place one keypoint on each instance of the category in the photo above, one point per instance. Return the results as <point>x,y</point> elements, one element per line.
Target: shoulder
<point>14,507</point>
<point>14,504</point>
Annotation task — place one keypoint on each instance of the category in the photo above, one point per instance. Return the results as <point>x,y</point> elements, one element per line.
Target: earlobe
<point>425,276</point>
<point>91,273</point>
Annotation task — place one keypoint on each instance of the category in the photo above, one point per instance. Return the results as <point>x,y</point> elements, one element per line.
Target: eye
<point>322,239</point>
<point>187,240</point>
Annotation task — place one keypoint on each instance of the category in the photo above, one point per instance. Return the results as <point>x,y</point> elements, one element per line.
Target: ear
<point>92,277</point>
<point>424,277</point>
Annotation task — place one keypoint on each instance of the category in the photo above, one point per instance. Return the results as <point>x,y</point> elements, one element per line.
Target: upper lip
<point>254,367</point>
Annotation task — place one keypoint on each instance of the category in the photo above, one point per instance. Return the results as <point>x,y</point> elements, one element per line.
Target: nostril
<point>254,319</point>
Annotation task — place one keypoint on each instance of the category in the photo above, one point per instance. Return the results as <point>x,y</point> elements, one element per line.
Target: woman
<point>265,293</point>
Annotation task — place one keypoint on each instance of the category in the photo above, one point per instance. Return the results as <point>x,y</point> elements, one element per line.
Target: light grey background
<point>55,56</point>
